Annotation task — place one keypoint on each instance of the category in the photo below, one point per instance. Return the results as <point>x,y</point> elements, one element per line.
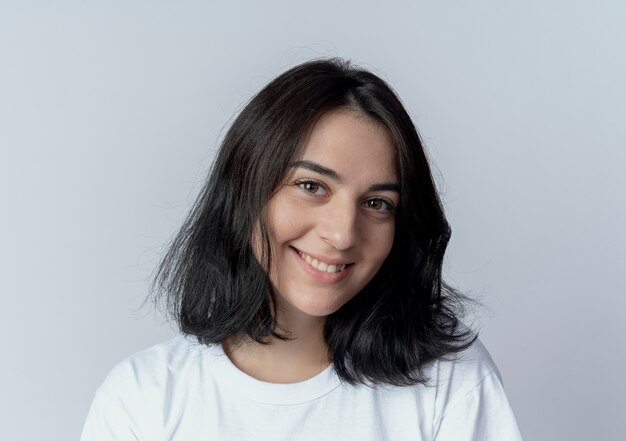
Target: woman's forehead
<point>351,143</point>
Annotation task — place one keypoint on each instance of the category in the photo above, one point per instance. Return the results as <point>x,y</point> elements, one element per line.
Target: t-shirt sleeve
<point>122,405</point>
<point>109,420</point>
<point>481,414</point>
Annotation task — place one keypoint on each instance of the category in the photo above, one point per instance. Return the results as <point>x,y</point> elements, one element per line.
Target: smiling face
<point>332,224</point>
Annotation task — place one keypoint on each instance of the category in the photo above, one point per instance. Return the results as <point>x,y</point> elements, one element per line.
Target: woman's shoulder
<point>468,385</point>
<point>155,366</point>
<point>470,365</point>
<point>458,374</point>
<point>131,400</point>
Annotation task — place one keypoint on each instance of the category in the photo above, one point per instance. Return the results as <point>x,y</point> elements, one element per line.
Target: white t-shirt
<point>183,391</point>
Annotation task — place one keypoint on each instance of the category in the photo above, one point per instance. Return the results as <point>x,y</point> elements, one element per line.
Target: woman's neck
<point>300,358</point>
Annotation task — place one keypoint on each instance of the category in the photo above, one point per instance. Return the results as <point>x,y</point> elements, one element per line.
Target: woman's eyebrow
<point>387,186</point>
<point>332,174</point>
<point>318,168</point>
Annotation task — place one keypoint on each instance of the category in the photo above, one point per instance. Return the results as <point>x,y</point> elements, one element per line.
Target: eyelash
<point>300,183</point>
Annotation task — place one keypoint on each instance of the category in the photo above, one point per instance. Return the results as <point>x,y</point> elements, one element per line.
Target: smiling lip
<point>328,260</point>
<point>322,276</point>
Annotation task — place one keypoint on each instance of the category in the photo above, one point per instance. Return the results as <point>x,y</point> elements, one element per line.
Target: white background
<point>110,113</point>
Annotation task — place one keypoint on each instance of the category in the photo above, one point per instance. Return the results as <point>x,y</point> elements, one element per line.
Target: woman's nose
<point>338,225</point>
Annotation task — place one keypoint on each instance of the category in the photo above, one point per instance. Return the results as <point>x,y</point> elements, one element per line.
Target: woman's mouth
<point>320,265</point>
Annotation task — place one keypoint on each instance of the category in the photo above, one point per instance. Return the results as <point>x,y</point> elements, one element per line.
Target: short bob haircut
<point>212,284</point>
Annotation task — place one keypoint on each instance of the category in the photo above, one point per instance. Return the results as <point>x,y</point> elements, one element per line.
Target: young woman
<point>307,285</point>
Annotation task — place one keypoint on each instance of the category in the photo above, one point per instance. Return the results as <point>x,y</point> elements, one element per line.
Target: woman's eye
<point>379,205</point>
<point>315,188</point>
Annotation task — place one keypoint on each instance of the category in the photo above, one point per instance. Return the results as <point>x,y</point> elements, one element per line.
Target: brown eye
<point>311,187</point>
<point>379,205</point>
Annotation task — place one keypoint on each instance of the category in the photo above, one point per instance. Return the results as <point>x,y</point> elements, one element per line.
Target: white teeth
<point>322,266</point>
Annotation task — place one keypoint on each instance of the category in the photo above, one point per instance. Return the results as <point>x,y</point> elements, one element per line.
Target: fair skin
<point>331,228</point>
